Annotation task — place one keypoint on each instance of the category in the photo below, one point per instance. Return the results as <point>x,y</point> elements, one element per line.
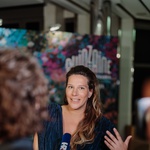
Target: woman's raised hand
<point>116,143</point>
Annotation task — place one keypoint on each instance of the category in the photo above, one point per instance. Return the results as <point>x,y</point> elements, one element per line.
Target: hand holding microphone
<point>65,143</point>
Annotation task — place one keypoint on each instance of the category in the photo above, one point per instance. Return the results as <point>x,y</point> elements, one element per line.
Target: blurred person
<point>81,116</point>
<point>23,99</point>
<point>147,124</point>
<point>145,94</point>
<point>145,90</point>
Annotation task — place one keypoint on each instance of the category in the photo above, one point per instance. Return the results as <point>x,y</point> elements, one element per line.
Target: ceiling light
<point>1,22</point>
<point>55,27</point>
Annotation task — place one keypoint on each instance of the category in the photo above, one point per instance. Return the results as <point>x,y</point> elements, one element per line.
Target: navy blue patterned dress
<point>18,144</point>
<point>50,137</point>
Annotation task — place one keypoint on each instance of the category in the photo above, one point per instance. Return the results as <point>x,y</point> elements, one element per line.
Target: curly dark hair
<point>23,95</point>
<point>85,130</point>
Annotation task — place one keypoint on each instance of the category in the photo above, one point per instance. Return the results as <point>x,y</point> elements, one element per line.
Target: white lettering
<point>93,59</point>
<point>63,146</point>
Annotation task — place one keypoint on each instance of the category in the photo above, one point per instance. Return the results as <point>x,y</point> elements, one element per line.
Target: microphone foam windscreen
<point>65,144</point>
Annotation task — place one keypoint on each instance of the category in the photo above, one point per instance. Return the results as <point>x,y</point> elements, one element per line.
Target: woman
<point>80,116</point>
<point>23,99</point>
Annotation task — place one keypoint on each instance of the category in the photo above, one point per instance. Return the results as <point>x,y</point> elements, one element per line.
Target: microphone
<point>65,143</point>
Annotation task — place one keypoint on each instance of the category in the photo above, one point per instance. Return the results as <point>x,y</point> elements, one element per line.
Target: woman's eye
<point>70,87</point>
<point>81,88</point>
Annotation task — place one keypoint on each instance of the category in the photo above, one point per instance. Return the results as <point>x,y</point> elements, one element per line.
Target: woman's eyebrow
<point>78,85</point>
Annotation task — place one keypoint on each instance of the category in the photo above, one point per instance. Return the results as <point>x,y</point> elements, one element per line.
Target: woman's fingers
<point>110,140</point>
<point>112,137</point>
<point>117,134</point>
<point>107,143</point>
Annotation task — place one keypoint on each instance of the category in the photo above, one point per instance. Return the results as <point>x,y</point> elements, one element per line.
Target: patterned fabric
<point>20,144</point>
<point>50,137</point>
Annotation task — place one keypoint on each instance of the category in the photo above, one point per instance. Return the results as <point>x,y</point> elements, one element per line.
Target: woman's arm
<point>35,142</point>
<point>116,143</point>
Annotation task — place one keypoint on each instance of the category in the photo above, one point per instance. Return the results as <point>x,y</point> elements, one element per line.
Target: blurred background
<point>128,20</point>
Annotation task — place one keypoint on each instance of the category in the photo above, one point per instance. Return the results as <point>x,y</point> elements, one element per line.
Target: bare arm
<point>35,142</point>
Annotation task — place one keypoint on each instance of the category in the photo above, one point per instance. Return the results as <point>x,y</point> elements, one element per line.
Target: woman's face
<point>77,92</point>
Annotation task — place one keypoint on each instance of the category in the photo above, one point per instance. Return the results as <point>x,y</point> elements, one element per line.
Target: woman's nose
<point>75,91</point>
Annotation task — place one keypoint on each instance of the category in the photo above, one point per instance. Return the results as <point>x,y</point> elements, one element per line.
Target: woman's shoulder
<point>105,124</point>
<point>105,120</point>
<point>53,107</point>
<point>54,115</point>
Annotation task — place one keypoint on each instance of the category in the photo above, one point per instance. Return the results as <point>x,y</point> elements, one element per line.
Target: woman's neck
<point>79,113</point>
<point>71,119</point>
